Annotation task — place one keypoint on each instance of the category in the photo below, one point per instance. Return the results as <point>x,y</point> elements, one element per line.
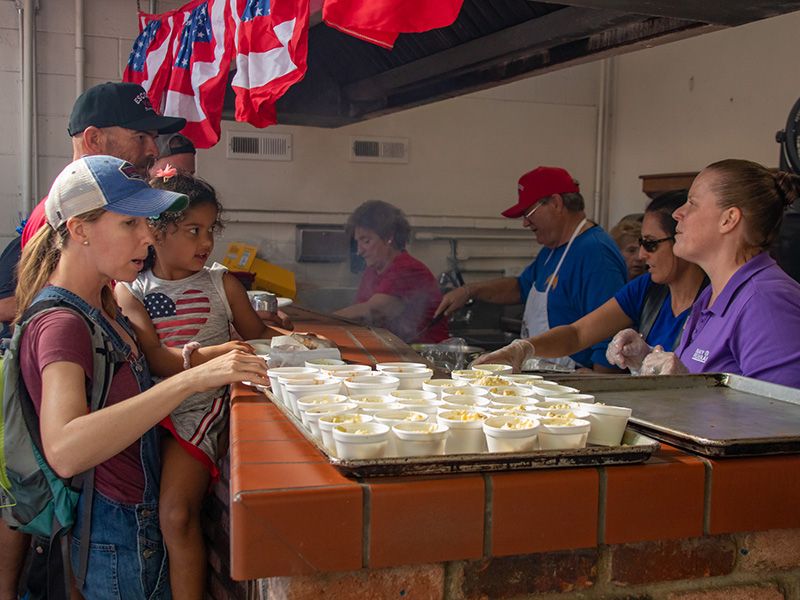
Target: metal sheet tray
<point>714,414</point>
<point>636,447</point>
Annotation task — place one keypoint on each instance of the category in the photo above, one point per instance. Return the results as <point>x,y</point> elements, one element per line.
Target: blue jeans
<point>127,558</point>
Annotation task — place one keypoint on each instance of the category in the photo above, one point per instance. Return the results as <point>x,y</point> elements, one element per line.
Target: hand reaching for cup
<point>627,350</point>
<point>515,354</point>
<point>233,366</point>
<point>659,362</point>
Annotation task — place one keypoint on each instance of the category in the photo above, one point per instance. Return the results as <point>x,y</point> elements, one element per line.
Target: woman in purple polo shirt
<point>747,321</point>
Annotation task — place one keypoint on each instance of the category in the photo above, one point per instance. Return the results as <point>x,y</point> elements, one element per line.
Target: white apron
<point>534,319</point>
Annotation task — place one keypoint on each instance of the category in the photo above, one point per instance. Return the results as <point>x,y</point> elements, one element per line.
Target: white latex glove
<point>515,354</point>
<point>659,362</point>
<point>627,350</point>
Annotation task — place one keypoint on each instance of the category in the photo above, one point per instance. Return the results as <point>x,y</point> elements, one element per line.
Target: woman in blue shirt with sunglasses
<point>655,304</point>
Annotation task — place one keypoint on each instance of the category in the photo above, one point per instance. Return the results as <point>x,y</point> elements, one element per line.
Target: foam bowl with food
<point>294,390</point>
<point>468,374</point>
<point>557,407</point>
<point>511,433</point>
<point>276,372</point>
<point>327,422</point>
<point>411,378</point>
<point>496,369</point>
<point>608,423</point>
<point>393,417</point>
<point>420,439</point>
<point>466,431</point>
<point>544,389</point>
<point>388,366</point>
<point>313,400</point>
<point>313,414</point>
<point>522,378</point>
<point>488,381</point>
<point>518,404</point>
<point>361,440</point>
<point>463,402</point>
<point>413,395</point>
<point>506,391</point>
<point>335,369</point>
<point>467,390</point>
<point>324,363</point>
<point>370,403</point>
<point>438,386</point>
<point>563,433</point>
<point>371,384</point>
<point>579,398</point>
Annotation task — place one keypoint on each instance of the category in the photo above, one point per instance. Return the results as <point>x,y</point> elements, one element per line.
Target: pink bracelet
<point>188,348</point>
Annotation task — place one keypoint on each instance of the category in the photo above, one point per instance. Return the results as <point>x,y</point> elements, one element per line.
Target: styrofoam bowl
<point>468,374</point>
<point>327,422</point>
<point>313,415</point>
<point>522,378</point>
<point>371,384</point>
<point>420,439</point>
<point>393,417</point>
<point>545,389</point>
<point>466,390</point>
<point>504,391</point>
<point>411,378</point>
<point>413,395</point>
<point>579,398</point>
<point>294,390</point>
<point>463,402</point>
<point>511,433</point>
<point>497,369</point>
<point>324,363</point>
<point>275,372</point>
<point>608,423</point>
<point>388,366</point>
<point>553,436</point>
<point>353,443</point>
<point>438,385</point>
<point>466,436</point>
<point>314,400</point>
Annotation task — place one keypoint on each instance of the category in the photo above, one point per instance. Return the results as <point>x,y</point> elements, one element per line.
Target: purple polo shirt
<point>753,329</point>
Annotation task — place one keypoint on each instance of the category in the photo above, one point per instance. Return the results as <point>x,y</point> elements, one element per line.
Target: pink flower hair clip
<point>167,172</point>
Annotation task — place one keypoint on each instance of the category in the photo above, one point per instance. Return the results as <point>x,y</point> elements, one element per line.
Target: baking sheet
<point>636,447</point>
<point>714,414</point>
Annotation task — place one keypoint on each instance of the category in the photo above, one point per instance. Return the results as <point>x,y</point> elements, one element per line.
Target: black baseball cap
<point>174,143</point>
<point>119,105</point>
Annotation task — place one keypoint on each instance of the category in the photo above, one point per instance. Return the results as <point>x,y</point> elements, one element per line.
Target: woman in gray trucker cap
<point>97,210</point>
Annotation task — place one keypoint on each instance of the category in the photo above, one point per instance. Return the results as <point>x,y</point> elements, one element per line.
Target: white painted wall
<point>682,106</point>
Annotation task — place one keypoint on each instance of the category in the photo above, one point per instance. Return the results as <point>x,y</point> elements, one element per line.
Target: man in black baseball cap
<point>176,150</point>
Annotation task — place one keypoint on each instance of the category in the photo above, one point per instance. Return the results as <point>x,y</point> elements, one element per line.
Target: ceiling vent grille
<point>259,146</point>
<point>379,149</point>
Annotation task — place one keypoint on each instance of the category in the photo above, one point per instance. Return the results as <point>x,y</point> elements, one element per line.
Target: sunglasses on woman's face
<point>652,245</point>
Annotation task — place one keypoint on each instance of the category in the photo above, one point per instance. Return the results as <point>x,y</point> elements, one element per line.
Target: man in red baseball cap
<point>578,269</point>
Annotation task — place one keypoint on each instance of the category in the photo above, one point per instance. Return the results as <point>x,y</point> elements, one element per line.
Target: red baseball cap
<point>540,183</point>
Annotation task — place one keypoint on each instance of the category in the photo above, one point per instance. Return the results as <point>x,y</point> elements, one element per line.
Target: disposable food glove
<point>627,350</point>
<point>659,362</point>
<point>515,354</point>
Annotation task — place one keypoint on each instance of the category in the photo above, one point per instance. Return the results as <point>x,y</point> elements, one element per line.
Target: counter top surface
<point>292,513</point>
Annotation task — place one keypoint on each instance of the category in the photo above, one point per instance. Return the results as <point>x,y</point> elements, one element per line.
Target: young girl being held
<point>181,310</point>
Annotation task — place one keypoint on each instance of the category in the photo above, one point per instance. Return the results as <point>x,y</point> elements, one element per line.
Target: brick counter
<point>678,527</point>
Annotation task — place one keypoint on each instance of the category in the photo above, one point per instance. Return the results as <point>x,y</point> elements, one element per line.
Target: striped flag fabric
<point>271,49</point>
<point>151,55</point>
<point>202,51</point>
<point>178,322</point>
<point>381,21</point>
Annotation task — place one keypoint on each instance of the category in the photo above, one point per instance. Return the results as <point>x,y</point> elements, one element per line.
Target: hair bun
<point>788,185</point>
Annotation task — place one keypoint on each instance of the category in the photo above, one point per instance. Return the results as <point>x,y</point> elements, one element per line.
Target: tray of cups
<point>713,414</point>
<point>398,420</point>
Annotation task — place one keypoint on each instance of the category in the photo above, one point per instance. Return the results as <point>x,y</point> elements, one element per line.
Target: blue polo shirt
<point>752,329</point>
<point>592,273</point>
<point>666,328</point>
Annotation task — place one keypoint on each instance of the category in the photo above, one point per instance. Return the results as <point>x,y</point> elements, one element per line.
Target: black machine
<point>787,248</point>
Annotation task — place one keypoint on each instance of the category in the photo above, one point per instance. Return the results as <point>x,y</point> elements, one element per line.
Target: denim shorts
<point>127,557</point>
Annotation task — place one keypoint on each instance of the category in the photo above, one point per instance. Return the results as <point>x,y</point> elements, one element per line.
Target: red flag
<point>150,60</point>
<point>380,21</point>
<point>202,51</point>
<point>271,49</point>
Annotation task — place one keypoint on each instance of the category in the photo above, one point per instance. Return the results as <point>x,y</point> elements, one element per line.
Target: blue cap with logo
<point>107,182</point>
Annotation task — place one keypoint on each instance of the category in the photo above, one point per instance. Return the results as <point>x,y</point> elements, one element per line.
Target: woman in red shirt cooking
<point>397,292</point>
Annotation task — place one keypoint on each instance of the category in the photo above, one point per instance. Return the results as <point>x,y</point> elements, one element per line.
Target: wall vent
<point>379,149</point>
<point>259,146</point>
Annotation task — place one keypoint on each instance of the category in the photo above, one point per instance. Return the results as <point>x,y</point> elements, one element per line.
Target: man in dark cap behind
<point>115,119</point>
<point>578,269</point>
<point>176,150</point>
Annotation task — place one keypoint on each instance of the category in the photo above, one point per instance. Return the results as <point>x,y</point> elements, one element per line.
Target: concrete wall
<point>682,106</point>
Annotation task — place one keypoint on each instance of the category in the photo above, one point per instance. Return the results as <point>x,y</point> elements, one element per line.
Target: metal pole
<point>28,73</point>
<point>80,49</point>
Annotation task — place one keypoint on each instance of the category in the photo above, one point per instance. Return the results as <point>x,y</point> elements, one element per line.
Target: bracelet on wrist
<point>188,348</point>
